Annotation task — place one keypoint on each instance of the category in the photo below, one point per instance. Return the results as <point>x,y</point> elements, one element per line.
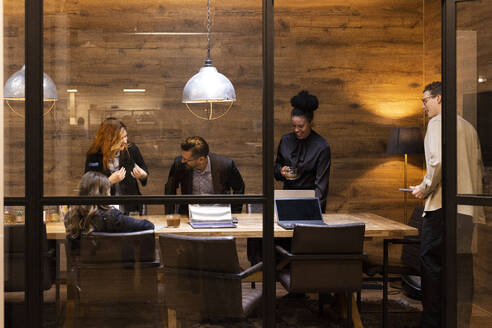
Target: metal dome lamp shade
<point>15,89</point>
<point>209,87</point>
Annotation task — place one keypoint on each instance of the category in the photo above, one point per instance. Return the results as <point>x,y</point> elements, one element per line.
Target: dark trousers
<point>430,260</point>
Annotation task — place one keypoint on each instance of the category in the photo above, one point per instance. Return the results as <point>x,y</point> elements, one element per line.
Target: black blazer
<point>129,185</point>
<point>225,178</point>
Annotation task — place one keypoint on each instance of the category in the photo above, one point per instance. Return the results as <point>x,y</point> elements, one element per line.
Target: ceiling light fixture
<point>15,89</point>
<point>209,87</point>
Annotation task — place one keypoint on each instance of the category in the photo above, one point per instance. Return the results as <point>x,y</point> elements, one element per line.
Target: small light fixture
<point>134,90</point>
<point>482,79</point>
<point>72,90</point>
<point>15,89</point>
<point>208,86</point>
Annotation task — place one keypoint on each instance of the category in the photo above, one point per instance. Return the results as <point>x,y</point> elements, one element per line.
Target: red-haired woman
<point>111,154</point>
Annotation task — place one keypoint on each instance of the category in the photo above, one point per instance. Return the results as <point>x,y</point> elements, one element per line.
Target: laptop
<point>293,211</point>
<point>210,216</point>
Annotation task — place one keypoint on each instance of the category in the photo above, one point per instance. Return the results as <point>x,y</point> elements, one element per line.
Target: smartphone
<point>405,189</point>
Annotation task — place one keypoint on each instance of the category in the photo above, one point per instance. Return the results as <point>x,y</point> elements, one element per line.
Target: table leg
<point>57,277</point>
<point>356,321</point>
<point>172,321</point>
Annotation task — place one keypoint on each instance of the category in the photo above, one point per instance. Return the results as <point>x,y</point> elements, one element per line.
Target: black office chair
<point>324,259</point>
<point>408,266</point>
<point>14,274</point>
<point>117,272</point>
<point>202,277</point>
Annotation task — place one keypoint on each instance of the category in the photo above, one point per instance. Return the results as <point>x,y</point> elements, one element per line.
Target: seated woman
<point>99,218</point>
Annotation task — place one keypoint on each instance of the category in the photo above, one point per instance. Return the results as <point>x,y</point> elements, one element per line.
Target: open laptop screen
<point>298,209</point>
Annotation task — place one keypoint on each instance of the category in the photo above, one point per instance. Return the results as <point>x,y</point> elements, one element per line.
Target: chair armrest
<point>249,271</point>
<point>282,251</point>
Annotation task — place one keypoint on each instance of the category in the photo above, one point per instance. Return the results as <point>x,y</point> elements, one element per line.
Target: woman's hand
<point>284,170</point>
<point>138,173</point>
<point>117,176</point>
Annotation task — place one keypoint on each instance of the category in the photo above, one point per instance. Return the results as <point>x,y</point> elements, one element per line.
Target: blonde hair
<point>80,217</point>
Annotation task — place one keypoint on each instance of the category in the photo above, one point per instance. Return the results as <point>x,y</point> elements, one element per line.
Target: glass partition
<point>474,165</point>
<point>121,127</point>
<point>131,61</point>
<point>14,104</point>
<point>474,86</point>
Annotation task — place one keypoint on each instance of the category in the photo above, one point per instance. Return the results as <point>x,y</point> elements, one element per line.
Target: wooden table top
<point>250,225</point>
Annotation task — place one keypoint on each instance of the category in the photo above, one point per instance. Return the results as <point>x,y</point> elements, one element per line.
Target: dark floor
<point>291,312</point>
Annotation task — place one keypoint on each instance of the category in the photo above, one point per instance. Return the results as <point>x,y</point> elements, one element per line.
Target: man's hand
<point>418,192</point>
<point>117,176</point>
<point>138,173</point>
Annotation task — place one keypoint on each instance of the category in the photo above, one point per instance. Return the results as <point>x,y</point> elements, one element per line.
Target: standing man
<point>469,164</point>
<point>199,172</point>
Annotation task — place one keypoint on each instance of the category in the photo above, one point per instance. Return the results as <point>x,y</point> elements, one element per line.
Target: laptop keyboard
<point>213,225</point>
<point>293,225</point>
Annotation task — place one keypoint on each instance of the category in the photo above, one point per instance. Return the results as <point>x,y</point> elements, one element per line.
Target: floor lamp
<point>404,141</point>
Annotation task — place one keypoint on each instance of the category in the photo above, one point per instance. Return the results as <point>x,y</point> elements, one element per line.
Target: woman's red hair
<point>107,141</point>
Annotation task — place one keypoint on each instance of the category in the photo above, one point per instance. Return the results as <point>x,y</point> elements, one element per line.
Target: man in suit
<point>198,172</point>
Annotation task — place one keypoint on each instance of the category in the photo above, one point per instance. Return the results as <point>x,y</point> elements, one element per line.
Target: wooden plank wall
<point>363,59</point>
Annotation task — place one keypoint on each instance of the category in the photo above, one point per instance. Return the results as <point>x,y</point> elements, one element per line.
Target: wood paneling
<point>363,59</point>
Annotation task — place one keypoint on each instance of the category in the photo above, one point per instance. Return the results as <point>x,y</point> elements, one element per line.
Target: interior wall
<point>363,59</point>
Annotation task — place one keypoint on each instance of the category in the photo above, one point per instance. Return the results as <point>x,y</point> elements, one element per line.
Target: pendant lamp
<point>15,89</point>
<point>208,87</point>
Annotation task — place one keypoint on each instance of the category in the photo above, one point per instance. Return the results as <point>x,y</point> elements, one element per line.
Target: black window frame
<point>34,199</point>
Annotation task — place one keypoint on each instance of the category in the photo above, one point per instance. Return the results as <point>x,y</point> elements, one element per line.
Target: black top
<point>226,179</point>
<point>112,220</point>
<point>312,157</point>
<point>129,185</point>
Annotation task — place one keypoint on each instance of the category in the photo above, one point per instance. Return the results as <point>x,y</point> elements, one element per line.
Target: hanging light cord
<point>208,61</point>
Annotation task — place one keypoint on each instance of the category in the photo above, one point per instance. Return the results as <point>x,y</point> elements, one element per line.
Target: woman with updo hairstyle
<point>120,160</point>
<point>305,150</point>
<point>99,218</point>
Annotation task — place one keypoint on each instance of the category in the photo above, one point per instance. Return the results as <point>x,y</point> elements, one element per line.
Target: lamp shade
<point>405,141</point>
<point>208,86</point>
<point>15,87</point>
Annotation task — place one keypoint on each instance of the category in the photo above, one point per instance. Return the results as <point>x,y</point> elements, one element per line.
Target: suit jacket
<point>129,185</point>
<point>225,178</point>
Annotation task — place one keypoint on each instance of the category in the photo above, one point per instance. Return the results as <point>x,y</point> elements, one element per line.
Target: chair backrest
<point>118,247</point>
<point>14,250</point>
<point>215,254</point>
<point>340,271</point>
<point>335,239</point>
<point>199,275</point>
<point>117,268</point>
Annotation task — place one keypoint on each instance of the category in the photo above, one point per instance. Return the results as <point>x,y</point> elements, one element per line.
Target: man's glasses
<point>426,99</point>
<point>184,160</point>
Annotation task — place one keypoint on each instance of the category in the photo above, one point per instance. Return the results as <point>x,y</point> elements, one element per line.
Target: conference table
<point>251,226</point>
